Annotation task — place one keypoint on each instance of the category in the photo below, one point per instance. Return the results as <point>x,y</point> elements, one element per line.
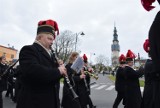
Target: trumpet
<point>91,74</point>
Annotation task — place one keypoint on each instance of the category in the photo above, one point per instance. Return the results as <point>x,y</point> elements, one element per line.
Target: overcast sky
<point>19,18</point>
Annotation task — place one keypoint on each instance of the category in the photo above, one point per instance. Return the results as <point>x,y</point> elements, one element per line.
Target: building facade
<point>9,52</point>
<point>115,49</point>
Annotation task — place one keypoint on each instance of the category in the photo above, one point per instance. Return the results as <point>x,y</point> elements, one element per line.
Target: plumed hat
<point>48,26</point>
<point>147,4</point>
<point>130,56</point>
<point>122,59</point>
<point>85,59</point>
<point>146,45</point>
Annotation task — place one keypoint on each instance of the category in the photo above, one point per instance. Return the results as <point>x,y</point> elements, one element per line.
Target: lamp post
<point>80,33</point>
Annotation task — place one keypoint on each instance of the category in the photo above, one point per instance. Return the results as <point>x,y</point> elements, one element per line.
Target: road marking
<point>100,87</point>
<point>101,83</point>
<point>61,85</point>
<point>111,87</point>
<point>142,89</point>
<point>94,85</point>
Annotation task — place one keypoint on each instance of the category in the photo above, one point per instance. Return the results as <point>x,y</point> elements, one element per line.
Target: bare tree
<point>102,61</point>
<point>64,45</point>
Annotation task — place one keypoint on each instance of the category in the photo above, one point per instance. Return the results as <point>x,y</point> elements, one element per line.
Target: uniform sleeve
<point>154,38</point>
<point>131,73</point>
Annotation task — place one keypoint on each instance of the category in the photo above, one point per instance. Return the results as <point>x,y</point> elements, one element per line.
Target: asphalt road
<point>102,94</point>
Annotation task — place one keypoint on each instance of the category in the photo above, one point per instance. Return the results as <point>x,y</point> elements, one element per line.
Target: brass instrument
<point>91,74</point>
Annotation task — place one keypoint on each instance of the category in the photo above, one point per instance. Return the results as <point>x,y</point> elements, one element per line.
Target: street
<point>102,93</point>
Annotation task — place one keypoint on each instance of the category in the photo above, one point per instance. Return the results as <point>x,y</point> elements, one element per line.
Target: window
<point>12,56</point>
<point>4,54</point>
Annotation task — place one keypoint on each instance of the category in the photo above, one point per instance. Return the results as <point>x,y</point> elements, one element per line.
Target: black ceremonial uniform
<point>40,78</point>
<point>82,91</point>
<point>68,100</point>
<point>88,80</point>
<point>3,82</point>
<point>148,88</point>
<point>154,38</point>
<point>133,97</point>
<point>119,86</point>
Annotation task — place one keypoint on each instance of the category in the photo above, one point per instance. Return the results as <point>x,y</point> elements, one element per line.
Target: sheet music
<point>77,64</point>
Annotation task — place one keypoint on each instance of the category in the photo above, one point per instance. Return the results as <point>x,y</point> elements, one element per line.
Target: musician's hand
<point>63,70</point>
<point>82,76</point>
<point>90,70</point>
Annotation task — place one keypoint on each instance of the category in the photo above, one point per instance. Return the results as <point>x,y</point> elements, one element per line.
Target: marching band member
<point>120,82</point>
<point>148,101</point>
<point>86,68</point>
<point>133,96</point>
<point>40,71</point>
<point>82,89</point>
<point>3,80</point>
<point>68,100</point>
<point>154,39</point>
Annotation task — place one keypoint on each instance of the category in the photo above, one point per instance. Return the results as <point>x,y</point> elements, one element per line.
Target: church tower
<point>115,49</point>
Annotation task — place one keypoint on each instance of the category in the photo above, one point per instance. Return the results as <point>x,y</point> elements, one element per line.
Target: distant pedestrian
<point>113,73</point>
<point>103,73</point>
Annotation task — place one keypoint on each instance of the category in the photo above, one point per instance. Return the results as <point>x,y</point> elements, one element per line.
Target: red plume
<point>130,54</point>
<point>146,45</point>
<point>122,58</point>
<point>50,23</point>
<point>85,57</point>
<point>147,4</point>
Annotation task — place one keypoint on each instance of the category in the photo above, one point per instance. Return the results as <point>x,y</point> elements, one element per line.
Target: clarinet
<point>68,81</point>
<point>71,87</point>
<point>85,82</point>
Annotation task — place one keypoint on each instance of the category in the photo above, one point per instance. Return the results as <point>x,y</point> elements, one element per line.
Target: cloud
<point>94,17</point>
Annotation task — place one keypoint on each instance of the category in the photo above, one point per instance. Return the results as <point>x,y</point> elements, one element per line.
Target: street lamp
<point>80,33</point>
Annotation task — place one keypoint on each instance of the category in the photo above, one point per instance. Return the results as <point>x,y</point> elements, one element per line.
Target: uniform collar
<point>48,51</point>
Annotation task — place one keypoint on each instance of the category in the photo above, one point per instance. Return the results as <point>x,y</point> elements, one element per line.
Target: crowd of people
<point>127,82</point>
<point>127,79</point>
<point>39,72</point>
<point>9,80</point>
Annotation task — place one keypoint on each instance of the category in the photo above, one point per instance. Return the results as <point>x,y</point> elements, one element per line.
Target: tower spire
<point>115,47</point>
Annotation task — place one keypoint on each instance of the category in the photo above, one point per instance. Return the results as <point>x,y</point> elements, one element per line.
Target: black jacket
<point>154,38</point>
<point>68,100</point>
<point>148,88</point>
<point>120,80</point>
<point>3,79</point>
<point>133,97</point>
<point>40,78</point>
